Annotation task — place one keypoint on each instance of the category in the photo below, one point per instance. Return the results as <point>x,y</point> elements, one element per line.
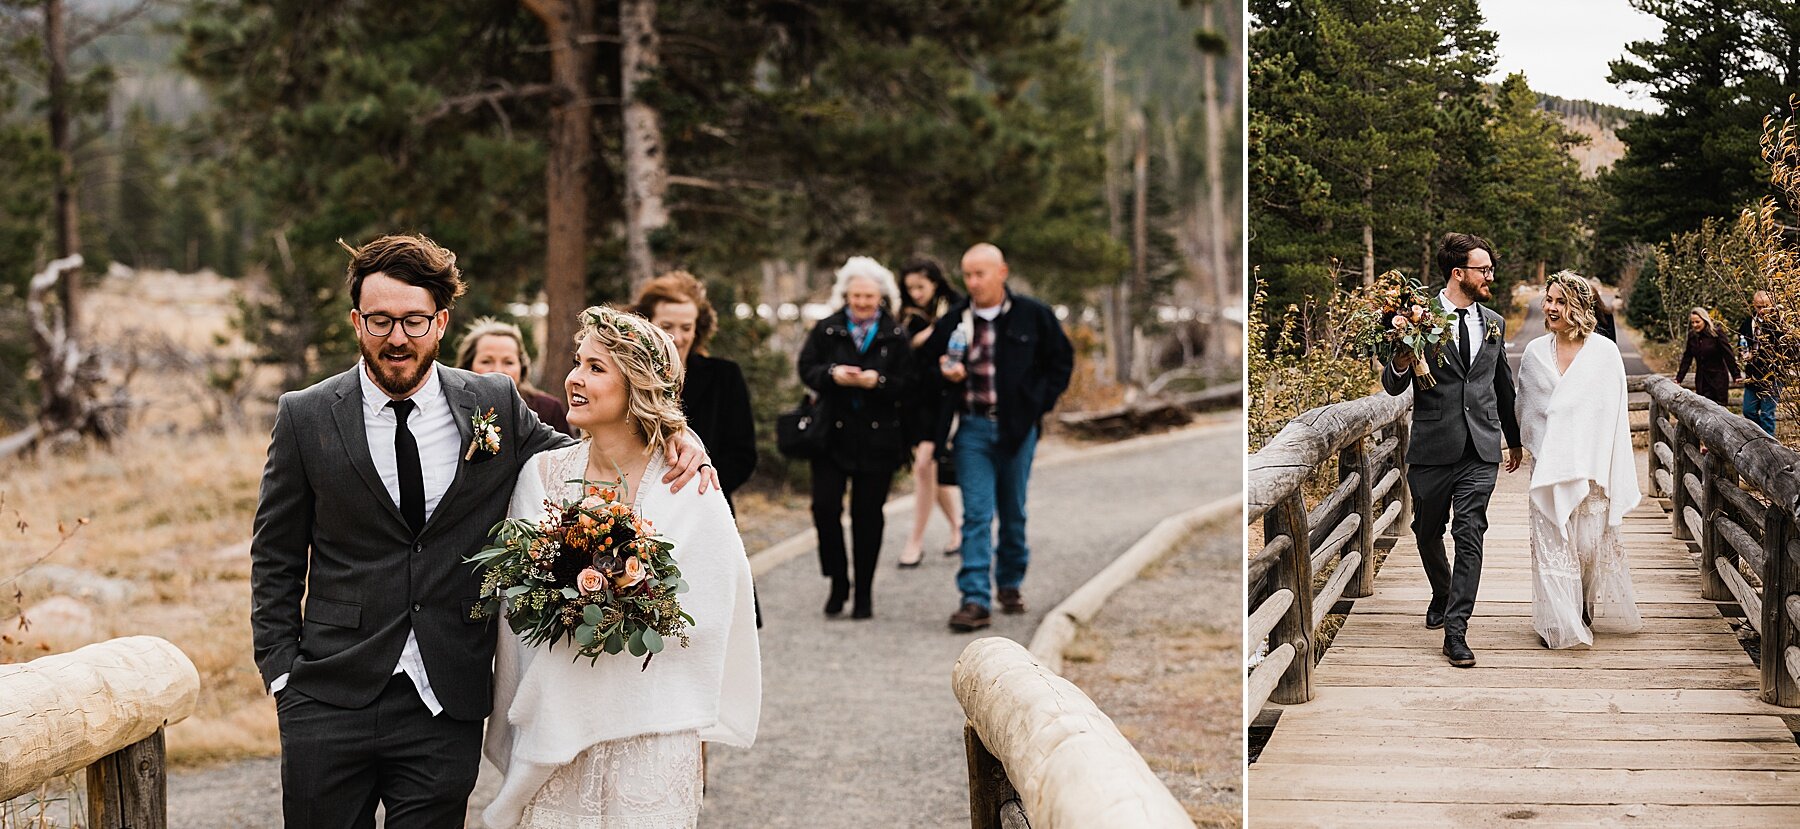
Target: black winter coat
<point>1033,361</point>
<point>716,400</point>
<point>867,425</point>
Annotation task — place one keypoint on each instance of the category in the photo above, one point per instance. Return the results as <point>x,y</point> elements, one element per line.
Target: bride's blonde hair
<point>652,368</point>
<point>1578,296</point>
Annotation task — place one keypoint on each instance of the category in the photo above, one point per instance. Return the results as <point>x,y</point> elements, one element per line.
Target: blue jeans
<point>1759,406</point>
<point>992,482</point>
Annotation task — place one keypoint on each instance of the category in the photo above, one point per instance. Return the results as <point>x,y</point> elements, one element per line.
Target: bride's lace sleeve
<point>528,491</point>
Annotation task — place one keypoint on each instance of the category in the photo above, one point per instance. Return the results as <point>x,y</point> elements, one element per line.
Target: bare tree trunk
<point>570,26</point>
<point>68,374</point>
<point>646,170</point>
<point>1368,228</point>
<point>1213,165</point>
<point>1118,348</point>
<point>1140,232</point>
<point>62,141</point>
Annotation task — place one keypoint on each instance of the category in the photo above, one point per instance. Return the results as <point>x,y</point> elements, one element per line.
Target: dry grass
<point>168,515</point>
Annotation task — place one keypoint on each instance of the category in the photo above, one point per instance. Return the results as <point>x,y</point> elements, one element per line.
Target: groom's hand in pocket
<point>1514,457</point>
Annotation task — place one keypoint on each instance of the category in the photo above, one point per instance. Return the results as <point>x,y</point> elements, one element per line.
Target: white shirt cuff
<point>279,683</point>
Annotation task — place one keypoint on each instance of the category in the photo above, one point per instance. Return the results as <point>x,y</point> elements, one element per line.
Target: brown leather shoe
<point>969,617</point>
<point>1011,601</point>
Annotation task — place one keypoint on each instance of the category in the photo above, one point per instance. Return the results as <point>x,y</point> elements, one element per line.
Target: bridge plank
<point>1659,727</point>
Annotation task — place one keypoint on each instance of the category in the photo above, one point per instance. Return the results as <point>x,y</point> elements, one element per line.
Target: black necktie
<point>406,457</point>
<point>1462,335</point>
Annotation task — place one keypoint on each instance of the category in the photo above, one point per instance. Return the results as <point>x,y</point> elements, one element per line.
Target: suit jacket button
<point>416,608</point>
<point>418,548</point>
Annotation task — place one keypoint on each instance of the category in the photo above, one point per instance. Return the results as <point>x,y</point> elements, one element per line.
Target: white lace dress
<point>1583,481</point>
<point>1587,572</point>
<point>607,745</point>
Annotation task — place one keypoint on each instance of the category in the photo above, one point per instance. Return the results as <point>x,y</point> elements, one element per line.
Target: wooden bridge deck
<point>1658,728</point>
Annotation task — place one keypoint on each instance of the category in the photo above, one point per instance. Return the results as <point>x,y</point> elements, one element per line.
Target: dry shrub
<point>1302,359</point>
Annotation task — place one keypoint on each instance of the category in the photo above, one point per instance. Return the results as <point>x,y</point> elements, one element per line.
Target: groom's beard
<point>399,379</point>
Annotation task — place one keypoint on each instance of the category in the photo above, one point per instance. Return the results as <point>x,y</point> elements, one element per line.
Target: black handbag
<point>800,431</point>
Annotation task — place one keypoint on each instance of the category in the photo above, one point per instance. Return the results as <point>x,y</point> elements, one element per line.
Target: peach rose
<point>634,572</point>
<point>589,580</point>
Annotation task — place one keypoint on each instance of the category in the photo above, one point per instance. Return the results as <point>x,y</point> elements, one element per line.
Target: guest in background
<point>858,361</point>
<point>1711,357</point>
<point>715,399</point>
<point>490,346</point>
<point>925,296</point>
<point>1761,338</point>
<point>1603,313</point>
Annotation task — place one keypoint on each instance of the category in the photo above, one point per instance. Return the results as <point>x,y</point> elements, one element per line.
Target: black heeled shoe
<point>840,592</point>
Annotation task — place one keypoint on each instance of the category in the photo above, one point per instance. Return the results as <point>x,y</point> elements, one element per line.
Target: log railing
<point>101,708</point>
<point>1733,493</point>
<point>1038,746</point>
<point>1368,437</point>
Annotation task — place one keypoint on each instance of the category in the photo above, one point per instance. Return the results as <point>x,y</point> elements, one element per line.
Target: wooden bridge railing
<point>1369,438</point>
<point>103,708</point>
<point>1734,493</point>
<point>1038,746</point>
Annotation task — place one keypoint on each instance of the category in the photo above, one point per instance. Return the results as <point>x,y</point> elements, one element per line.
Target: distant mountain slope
<point>1599,122</point>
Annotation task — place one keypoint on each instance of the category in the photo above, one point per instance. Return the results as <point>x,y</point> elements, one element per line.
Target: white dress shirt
<point>433,427</point>
<point>1471,324</point>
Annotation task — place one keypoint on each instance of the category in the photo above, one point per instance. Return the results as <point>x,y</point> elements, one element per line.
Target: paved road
<point>859,725</point>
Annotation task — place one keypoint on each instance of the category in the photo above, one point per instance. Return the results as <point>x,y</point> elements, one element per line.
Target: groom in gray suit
<point>378,486</point>
<point>1453,459</point>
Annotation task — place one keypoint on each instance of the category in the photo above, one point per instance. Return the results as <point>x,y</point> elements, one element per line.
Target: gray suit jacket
<point>327,530</point>
<point>1467,402</point>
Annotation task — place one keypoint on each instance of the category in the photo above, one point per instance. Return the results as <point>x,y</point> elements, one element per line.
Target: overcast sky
<point>1563,46</point>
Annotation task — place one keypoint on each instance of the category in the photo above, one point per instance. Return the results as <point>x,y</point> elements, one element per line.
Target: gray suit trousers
<point>1441,492</point>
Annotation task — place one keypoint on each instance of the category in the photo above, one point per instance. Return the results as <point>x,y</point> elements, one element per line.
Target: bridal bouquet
<point>592,571</point>
<point>1398,312</point>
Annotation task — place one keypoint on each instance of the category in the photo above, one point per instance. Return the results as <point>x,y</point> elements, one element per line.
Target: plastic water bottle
<point>959,345</point>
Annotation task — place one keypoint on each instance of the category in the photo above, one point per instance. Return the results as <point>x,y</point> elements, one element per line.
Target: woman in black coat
<point>859,363</point>
<point>1708,352</point>
<point>714,396</point>
<point>925,296</point>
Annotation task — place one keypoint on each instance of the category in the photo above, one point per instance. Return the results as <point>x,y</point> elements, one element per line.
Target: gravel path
<point>859,727</point>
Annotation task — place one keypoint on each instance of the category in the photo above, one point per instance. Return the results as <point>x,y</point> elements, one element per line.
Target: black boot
<point>1456,649</point>
<point>840,590</point>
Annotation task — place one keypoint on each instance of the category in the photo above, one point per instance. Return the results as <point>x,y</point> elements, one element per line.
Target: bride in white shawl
<point>615,743</point>
<point>1573,416</point>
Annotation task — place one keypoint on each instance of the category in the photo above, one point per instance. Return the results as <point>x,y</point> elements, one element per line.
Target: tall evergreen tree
<point>1716,77</point>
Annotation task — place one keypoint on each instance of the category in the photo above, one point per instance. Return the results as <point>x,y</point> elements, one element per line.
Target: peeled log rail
<point>1265,617</point>
<point>1308,441</point>
<point>1747,548</point>
<point>59,714</point>
<point>1263,561</point>
<point>1071,766</point>
<point>1741,590</point>
<point>1334,589</point>
<point>1758,458</point>
<point>1262,681</point>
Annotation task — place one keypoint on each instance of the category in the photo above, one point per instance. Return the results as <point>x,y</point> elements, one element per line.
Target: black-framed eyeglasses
<point>1484,271</point>
<point>381,325</point>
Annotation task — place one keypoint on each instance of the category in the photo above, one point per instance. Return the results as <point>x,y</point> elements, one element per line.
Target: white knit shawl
<point>1578,429</point>
<point>549,707</point>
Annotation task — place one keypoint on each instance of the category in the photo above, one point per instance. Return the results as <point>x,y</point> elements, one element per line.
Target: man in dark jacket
<point>1760,336</point>
<point>1014,362</point>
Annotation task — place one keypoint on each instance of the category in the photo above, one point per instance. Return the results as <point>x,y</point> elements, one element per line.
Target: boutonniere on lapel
<point>1493,331</point>
<point>487,436</point>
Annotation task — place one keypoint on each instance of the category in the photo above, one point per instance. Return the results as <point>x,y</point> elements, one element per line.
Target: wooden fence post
<point>1293,572</point>
<point>128,789</point>
<point>1677,481</point>
<point>1780,580</point>
<point>1712,543</point>
<point>989,788</point>
<point>1655,460</point>
<point>1402,430</point>
<point>1355,458</point>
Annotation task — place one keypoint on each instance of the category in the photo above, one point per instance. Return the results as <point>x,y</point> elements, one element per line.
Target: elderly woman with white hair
<point>859,362</point>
